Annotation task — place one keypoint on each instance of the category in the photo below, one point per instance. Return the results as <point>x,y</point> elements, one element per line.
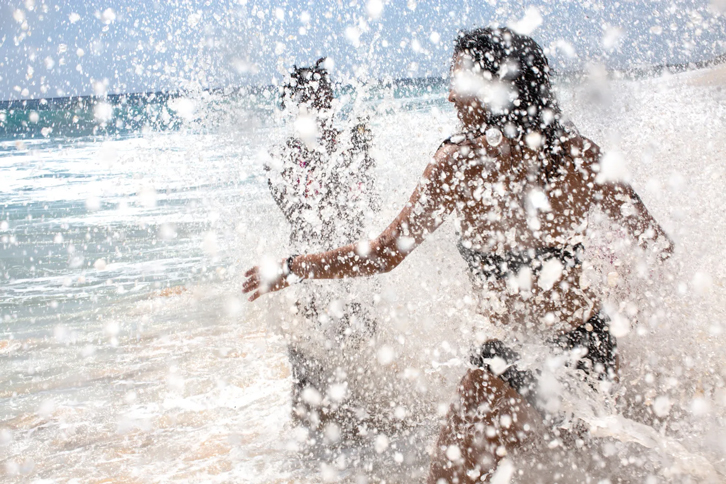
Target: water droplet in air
<point>494,137</point>
<point>453,453</point>
<point>662,406</point>
<point>381,443</point>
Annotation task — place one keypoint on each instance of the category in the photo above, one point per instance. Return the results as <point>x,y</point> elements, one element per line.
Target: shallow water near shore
<point>128,354</point>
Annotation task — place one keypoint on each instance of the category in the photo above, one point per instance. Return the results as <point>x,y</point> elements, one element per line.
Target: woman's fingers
<point>253,280</point>
<point>250,286</point>
<point>254,285</point>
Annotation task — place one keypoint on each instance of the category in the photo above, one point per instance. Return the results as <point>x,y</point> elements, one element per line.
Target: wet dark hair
<point>520,60</point>
<point>309,84</point>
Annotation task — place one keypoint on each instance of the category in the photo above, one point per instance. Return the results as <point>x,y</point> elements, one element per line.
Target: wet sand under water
<point>159,408</point>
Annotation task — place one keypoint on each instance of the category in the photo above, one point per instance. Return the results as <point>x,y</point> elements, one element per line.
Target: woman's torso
<point>507,208</point>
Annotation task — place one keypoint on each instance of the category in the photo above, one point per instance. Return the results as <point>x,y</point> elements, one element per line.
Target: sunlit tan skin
<point>495,223</point>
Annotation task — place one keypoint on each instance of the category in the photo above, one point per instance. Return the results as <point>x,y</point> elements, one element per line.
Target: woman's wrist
<point>291,268</point>
<point>287,265</point>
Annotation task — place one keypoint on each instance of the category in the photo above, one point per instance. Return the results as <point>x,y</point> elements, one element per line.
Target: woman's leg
<point>488,420</point>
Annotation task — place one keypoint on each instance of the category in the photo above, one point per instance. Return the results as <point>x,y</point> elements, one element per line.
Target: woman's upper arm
<point>427,208</point>
<point>622,204</point>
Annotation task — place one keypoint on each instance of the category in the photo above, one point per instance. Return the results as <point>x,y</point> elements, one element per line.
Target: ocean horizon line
<point>59,101</point>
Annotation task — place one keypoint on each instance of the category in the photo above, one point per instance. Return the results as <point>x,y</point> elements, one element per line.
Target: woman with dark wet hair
<point>323,183</point>
<point>309,85</point>
<point>521,184</point>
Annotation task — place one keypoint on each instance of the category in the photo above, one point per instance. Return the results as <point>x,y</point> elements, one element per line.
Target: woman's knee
<point>481,392</point>
<point>493,407</point>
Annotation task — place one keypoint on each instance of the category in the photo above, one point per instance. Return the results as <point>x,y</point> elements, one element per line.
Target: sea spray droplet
<point>494,137</point>
<point>270,270</point>
<point>311,396</point>
<point>75,261</point>
<point>60,333</point>
<point>375,9</point>
<point>385,355</point>
<point>662,406</point>
<point>328,473</point>
<point>183,107</point>
<point>453,453</point>
<point>504,472</point>
<point>210,246</point>
<point>167,231</point>
<point>551,272</point>
<point>537,200</point>
<point>702,283</point>
<point>46,409</point>
<point>306,128</point>
<point>619,326</point>
<point>338,392</point>
<point>700,407</point>
<point>93,203</point>
<point>506,421</point>
<point>534,140</point>
<point>108,16</point>
<point>381,443</point>
<point>529,23</point>
<point>405,244</point>
<point>363,248</point>
<point>612,37</point>
<point>332,432</point>
<point>103,112</point>
<point>233,306</point>
<point>613,168</point>
<point>112,328</point>
<point>147,196</point>
<point>352,34</point>
<point>613,279</point>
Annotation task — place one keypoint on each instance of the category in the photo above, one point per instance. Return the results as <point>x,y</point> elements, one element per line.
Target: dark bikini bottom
<point>593,336</point>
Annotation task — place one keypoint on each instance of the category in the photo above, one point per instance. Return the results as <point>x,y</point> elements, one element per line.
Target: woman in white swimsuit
<point>324,186</point>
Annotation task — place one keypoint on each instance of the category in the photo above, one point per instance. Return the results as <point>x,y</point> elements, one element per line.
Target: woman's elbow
<point>383,259</point>
<point>387,266</point>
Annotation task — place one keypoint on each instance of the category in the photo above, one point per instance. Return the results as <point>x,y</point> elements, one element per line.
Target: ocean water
<point>128,353</point>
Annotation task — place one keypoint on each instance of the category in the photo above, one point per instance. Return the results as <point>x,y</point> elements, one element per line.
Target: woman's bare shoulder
<point>581,147</point>
<point>462,147</point>
<point>584,153</point>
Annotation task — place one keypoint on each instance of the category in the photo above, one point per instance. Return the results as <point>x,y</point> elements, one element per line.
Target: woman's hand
<point>259,285</point>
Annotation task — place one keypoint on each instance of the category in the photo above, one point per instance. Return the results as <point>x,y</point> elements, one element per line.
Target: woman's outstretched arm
<point>432,200</point>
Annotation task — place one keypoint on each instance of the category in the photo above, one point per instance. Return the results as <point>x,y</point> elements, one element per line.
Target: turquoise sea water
<point>124,223</point>
<point>82,191</point>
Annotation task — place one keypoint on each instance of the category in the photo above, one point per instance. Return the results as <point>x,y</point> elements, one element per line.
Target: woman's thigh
<point>487,420</point>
